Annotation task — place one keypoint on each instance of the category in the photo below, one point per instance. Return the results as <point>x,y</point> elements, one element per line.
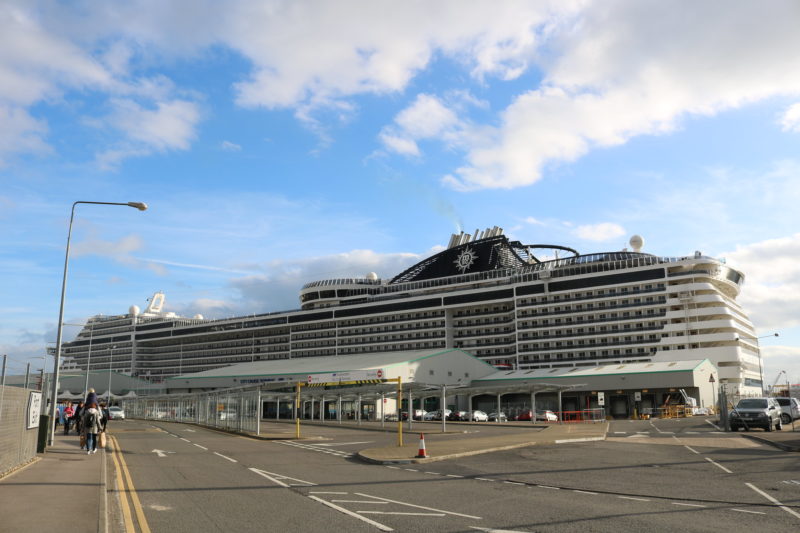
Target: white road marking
<point>548,487</point>
<point>620,432</point>
<point>687,504</point>
<point>452,475</point>
<point>691,449</point>
<point>418,506</point>
<point>692,432</point>
<point>161,453</point>
<point>351,513</point>
<point>393,467</point>
<point>713,424</point>
<point>187,440</point>
<point>411,470</point>
<point>203,447</point>
<point>190,430</point>
<point>483,479</point>
<point>277,478</point>
<point>746,511</point>
<point>344,443</point>
<point>773,500</point>
<point>360,501</point>
<point>713,462</point>
<point>632,498</point>
<point>513,482</point>
<point>325,492</point>
<point>490,530</point>
<point>585,492</point>
<point>226,457</point>
<point>433,473</point>
<point>400,513</point>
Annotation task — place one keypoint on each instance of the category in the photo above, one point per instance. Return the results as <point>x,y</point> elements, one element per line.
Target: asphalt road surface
<point>661,475</point>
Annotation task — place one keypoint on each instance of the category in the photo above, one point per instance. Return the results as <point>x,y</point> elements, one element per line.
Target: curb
<point>779,445</point>
<point>399,461</point>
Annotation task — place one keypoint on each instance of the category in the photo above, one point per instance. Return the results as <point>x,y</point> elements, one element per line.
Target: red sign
<point>309,379</point>
<point>380,374</point>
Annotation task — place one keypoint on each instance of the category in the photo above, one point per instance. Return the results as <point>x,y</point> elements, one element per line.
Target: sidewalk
<point>64,489</point>
<point>440,447</point>
<point>786,439</point>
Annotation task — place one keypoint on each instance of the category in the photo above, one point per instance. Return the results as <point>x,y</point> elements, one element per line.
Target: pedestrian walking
<point>78,418</point>
<point>92,423</point>
<point>69,412</point>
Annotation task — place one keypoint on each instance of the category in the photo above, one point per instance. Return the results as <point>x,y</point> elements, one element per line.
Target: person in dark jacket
<point>78,417</point>
<point>91,398</point>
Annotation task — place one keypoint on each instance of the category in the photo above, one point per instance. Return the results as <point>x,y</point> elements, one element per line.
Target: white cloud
<point>616,71</point>
<point>605,231</point>
<point>790,121</point>
<point>771,293</point>
<point>428,117</point>
<point>229,146</point>
<point>20,133</point>
<point>171,125</point>
<point>279,286</point>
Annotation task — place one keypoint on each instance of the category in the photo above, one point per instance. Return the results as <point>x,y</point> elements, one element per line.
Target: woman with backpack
<point>92,423</point>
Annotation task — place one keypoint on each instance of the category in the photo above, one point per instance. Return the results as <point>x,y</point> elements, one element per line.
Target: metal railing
<point>233,410</point>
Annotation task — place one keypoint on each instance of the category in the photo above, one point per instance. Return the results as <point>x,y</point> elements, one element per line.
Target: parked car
<point>116,413</point>
<point>436,415</point>
<point>391,417</point>
<point>750,413</point>
<point>544,416</point>
<point>790,408</point>
<point>419,414</point>
<point>493,417</point>
<point>479,416</point>
<point>457,416</point>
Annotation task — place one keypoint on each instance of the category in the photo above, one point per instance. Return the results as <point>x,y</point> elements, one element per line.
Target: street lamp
<point>760,369</point>
<point>138,205</point>
<point>88,358</point>
<point>110,364</point>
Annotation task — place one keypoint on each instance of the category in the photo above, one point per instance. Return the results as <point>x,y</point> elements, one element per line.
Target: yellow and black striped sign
<point>337,383</point>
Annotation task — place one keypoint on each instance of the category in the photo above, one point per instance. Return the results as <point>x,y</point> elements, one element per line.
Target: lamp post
<point>88,358</point>
<point>110,364</point>
<point>760,368</point>
<point>138,205</point>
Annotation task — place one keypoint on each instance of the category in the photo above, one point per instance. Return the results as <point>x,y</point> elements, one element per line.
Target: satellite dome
<point>636,242</point>
<point>372,276</point>
<point>198,317</point>
<point>134,310</point>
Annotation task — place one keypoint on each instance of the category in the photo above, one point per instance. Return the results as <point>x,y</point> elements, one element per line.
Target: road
<point>677,475</point>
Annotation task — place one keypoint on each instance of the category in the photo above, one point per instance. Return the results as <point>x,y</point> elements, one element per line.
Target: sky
<point>282,142</point>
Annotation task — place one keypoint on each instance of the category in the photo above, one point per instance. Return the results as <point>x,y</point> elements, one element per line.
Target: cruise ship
<point>493,297</point>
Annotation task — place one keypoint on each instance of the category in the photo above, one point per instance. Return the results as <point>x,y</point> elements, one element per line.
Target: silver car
<point>751,413</point>
<point>790,408</point>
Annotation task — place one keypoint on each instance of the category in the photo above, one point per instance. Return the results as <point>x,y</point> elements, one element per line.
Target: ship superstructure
<point>485,294</point>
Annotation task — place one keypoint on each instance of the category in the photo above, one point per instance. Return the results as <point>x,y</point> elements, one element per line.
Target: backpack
<point>91,420</point>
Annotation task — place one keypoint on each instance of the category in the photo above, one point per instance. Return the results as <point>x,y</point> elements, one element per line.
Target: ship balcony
<point>607,296</point>
<point>385,331</point>
<point>482,322</point>
<point>595,345</point>
<point>462,314</point>
<point>482,333</point>
<point>488,344</point>
<point>629,331</point>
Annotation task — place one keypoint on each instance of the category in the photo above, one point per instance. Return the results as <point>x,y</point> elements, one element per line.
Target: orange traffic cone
<point>421,454</point>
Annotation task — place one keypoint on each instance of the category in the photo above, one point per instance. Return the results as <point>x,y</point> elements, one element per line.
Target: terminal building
<point>459,381</point>
<point>484,294</point>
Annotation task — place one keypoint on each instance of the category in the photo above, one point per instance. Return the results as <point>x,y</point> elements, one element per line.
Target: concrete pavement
<point>64,489</point>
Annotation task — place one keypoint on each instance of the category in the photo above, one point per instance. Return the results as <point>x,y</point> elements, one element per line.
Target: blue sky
<point>282,142</point>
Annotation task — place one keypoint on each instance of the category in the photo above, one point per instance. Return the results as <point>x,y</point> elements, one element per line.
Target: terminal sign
<point>601,399</point>
<point>356,375</point>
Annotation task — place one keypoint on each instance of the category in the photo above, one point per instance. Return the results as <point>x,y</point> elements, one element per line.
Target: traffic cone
<point>421,454</point>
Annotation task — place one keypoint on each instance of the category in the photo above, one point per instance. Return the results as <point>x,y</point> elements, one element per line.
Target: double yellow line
<point>127,490</point>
